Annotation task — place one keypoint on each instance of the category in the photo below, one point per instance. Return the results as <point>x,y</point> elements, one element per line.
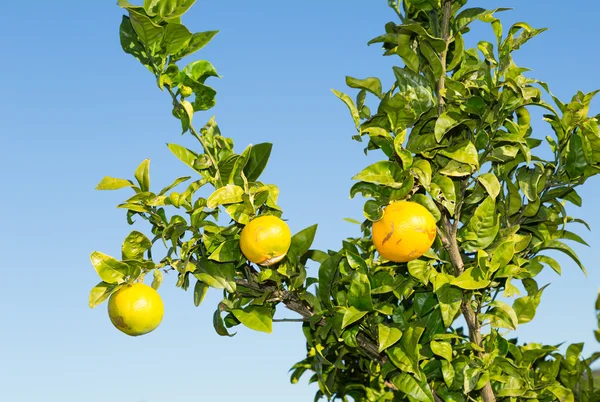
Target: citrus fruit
<point>405,232</point>
<point>523,117</point>
<point>265,240</point>
<point>135,309</point>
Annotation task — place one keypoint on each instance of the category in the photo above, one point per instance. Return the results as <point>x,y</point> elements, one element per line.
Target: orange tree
<point>455,137</point>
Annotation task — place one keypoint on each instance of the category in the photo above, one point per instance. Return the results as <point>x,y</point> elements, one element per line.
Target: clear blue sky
<point>74,107</point>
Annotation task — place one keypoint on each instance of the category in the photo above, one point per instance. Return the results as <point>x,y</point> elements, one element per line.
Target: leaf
<point>490,182</point>
<point>101,292</point>
<point>370,84</point>
<point>167,9</point>
<point>218,324</point>
<point>560,246</point>
<point>359,293</point>
<point>327,273</point>
<point>442,349</point>
<point>529,180</point>
<point>228,251</point>
<point>259,156</point>
<point>229,194</point>
<point>351,315</point>
<point>131,44</point>
<point>482,228</point>
<point>382,172</point>
<point>196,42</point>
<point>387,336</point>
<point>199,71</point>
<point>111,183</point>
<point>216,275</point>
<point>183,154</point>
<point>301,243</point>
<point>471,279</point>
<point>450,299</point>
<point>176,38</point>
<point>443,124</point>
<point>149,33</point>
<point>410,386</point>
<point>353,110</point>
<point>257,318</point>
<point>510,316</point>
<point>463,152</point>
<point>200,291</point>
<point>135,245</point>
<point>525,307</point>
<point>109,269</point>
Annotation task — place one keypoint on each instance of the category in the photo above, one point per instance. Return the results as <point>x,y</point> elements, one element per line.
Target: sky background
<point>74,108</point>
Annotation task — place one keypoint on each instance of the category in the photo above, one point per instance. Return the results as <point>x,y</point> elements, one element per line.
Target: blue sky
<point>74,108</point>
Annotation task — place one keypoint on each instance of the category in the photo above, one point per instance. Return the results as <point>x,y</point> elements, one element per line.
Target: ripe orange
<point>405,232</point>
<point>135,309</point>
<point>265,240</point>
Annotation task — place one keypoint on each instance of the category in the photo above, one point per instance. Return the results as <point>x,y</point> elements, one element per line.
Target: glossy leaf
<point>200,290</point>
<point>216,275</point>
<point>109,269</point>
<point>301,243</point>
<point>257,318</point>
<point>110,183</point>
<point>387,336</point>
<point>229,194</point>
<point>101,292</point>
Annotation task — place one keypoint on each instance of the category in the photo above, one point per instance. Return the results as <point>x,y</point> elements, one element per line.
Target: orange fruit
<point>135,309</point>
<point>405,232</point>
<point>265,240</point>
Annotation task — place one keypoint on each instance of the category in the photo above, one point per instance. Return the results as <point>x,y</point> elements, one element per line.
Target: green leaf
<point>560,246</point>
<point>443,124</point>
<point>383,172</point>
<point>359,293</point>
<point>110,183</point>
<point>301,243</point>
<point>351,315</point>
<point>109,269</point>
<point>183,154</point>
<point>229,194</point>
<point>196,42</point>
<point>508,315</point>
<point>148,33</point>
<point>387,336</point>
<point>471,279</point>
<point>219,326</point>
<point>490,182</point>
<point>176,38</point>
<point>525,307</point>
<point>131,44</point>
<point>228,251</point>
<point>370,84</point>
<point>562,393</point>
<point>353,110</point>
<point>259,156</point>
<point>167,9</point>
<point>199,71</point>
<point>482,228</point>
<point>200,291</point>
<point>257,318</point>
<point>463,152</point>
<point>135,245</point>
<point>177,181</point>
<point>442,349</point>
<point>327,273</point>
<point>418,391</point>
<point>529,180</point>
<point>216,275</point>
<point>450,299</point>
<point>101,292</point>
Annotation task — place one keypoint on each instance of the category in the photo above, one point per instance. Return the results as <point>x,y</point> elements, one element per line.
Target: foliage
<point>455,135</point>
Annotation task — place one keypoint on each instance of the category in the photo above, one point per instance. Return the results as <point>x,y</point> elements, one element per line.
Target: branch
<point>446,15</point>
<point>449,229</point>
<point>293,302</point>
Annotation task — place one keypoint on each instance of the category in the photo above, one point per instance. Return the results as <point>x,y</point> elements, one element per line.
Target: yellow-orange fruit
<point>405,232</point>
